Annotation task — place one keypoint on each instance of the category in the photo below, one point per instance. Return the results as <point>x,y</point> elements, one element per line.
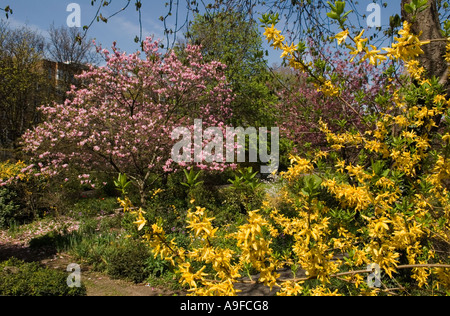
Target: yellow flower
<point>446,137</point>
<point>290,288</point>
<point>323,291</point>
<point>414,69</point>
<point>271,33</point>
<point>341,37</point>
<point>329,89</point>
<point>278,42</point>
<point>288,50</point>
<point>200,223</point>
<point>340,165</point>
<point>141,221</point>
<point>189,278</point>
<point>439,99</point>
<point>360,45</point>
<point>408,46</point>
<point>360,42</point>
<point>9,170</point>
<point>374,57</point>
<point>381,225</point>
<point>126,204</point>
<point>299,167</point>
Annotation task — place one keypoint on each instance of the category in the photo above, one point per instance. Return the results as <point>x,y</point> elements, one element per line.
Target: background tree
<point>23,84</point>
<point>66,46</point>
<point>228,37</point>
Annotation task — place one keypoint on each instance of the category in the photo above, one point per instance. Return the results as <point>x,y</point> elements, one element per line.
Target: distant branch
<point>302,19</point>
<point>7,10</point>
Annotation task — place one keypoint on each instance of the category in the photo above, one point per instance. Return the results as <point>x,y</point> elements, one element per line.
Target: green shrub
<point>8,206</point>
<point>120,258</point>
<point>245,190</point>
<point>128,260</point>
<point>18,278</point>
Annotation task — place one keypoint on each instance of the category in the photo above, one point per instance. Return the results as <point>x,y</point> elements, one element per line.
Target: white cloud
<point>15,23</point>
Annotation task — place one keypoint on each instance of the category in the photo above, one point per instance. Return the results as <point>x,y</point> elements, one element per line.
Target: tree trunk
<point>429,24</point>
<point>143,193</point>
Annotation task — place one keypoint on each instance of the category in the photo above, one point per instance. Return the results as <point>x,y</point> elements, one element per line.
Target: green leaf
<point>408,8</point>
<point>347,13</point>
<point>333,15</point>
<point>340,7</point>
<point>333,8</point>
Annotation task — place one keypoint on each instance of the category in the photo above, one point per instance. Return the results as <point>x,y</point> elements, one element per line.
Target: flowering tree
<point>122,119</point>
<point>302,105</point>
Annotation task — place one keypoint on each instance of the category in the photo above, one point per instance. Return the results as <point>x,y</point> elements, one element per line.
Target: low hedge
<point>18,278</point>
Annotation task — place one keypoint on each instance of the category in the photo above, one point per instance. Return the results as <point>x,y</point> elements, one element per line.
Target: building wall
<point>62,75</point>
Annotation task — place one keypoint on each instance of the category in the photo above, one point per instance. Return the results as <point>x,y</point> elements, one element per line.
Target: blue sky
<point>124,27</point>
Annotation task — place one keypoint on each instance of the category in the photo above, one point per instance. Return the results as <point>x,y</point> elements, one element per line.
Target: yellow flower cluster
<point>374,56</point>
<point>356,197</point>
<point>256,249</point>
<point>289,52</point>
<point>408,46</point>
<point>338,141</point>
<point>329,89</point>
<point>310,230</point>
<point>273,35</point>
<point>9,170</point>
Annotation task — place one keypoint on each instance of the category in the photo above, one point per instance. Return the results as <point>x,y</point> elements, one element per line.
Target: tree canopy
<point>23,86</point>
<point>229,38</point>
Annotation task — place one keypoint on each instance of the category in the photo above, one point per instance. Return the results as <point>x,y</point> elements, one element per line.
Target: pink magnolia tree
<point>122,118</point>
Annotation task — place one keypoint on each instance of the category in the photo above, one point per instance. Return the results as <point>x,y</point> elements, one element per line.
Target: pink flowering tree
<point>122,118</point>
<point>302,106</point>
